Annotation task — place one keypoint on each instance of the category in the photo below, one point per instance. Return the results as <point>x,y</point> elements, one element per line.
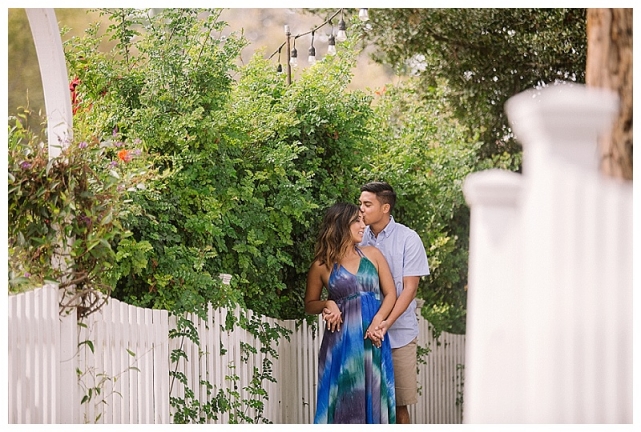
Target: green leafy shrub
<point>66,212</point>
<point>418,148</point>
<point>249,162</point>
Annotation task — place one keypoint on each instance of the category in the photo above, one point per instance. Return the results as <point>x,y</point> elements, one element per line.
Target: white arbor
<point>55,79</point>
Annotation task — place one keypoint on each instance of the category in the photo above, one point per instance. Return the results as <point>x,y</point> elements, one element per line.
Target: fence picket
<point>136,388</point>
<point>117,357</point>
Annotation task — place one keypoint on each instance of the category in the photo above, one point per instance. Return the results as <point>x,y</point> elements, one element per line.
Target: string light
<point>363,15</point>
<point>331,47</point>
<point>331,43</point>
<point>293,60</point>
<point>279,69</point>
<point>312,52</point>
<point>341,36</point>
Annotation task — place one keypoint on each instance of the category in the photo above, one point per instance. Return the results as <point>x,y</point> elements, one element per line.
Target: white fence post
<point>572,282</point>
<point>493,298</point>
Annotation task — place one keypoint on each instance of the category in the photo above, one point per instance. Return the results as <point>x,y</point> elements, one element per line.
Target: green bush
<point>249,162</point>
<point>66,213</point>
<point>245,164</point>
<point>418,148</point>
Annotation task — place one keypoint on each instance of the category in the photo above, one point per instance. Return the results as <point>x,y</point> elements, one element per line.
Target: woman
<point>355,372</point>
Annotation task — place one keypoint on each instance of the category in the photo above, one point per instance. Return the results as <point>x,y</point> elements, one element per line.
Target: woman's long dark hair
<point>334,236</point>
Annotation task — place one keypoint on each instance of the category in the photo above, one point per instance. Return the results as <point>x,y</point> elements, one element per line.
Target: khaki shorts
<point>404,359</point>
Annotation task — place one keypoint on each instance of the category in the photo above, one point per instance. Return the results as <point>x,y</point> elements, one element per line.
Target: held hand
<point>374,337</point>
<point>332,316</point>
<point>376,333</point>
<point>381,329</point>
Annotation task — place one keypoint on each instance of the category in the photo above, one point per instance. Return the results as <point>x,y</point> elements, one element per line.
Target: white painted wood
<point>558,290</point>
<point>493,297</point>
<point>55,79</point>
<point>142,397</point>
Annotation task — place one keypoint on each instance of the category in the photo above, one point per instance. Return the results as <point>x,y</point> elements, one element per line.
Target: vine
<point>242,402</point>
<point>95,392</point>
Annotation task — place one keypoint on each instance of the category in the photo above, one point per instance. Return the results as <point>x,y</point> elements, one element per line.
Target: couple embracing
<point>370,266</point>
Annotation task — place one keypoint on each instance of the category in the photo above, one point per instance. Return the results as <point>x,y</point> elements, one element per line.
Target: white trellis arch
<point>55,80</point>
<point>55,84</point>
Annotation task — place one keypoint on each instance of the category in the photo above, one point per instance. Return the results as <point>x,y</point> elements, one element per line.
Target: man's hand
<point>376,333</point>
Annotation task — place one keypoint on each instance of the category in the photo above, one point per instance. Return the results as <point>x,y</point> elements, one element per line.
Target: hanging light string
<point>312,31</point>
<point>293,61</point>
<point>280,67</point>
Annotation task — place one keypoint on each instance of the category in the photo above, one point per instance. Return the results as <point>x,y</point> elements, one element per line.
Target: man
<point>405,254</point>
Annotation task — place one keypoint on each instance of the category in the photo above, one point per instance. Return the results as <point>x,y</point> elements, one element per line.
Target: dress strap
<point>360,252</point>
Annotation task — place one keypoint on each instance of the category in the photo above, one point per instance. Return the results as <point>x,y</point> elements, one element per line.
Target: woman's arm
<point>313,303</point>
<point>388,292</point>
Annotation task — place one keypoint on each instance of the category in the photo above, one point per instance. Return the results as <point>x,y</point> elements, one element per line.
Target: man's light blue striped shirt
<point>405,254</point>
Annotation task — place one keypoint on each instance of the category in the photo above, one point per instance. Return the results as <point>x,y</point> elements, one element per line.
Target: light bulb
<point>341,36</point>
<point>331,48</point>
<point>363,15</point>
<point>293,60</point>
<point>312,55</point>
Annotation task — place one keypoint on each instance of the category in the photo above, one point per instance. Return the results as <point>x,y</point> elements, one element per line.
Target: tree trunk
<point>609,65</point>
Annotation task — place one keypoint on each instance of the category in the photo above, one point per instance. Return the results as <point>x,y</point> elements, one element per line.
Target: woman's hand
<point>332,316</point>
<point>381,329</point>
<point>376,331</point>
<point>376,340</point>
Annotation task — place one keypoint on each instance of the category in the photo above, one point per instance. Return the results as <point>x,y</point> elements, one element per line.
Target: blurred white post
<point>569,264</point>
<point>55,79</point>
<point>493,298</point>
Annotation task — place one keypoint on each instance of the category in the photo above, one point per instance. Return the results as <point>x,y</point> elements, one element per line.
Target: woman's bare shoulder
<point>371,252</point>
<point>318,268</point>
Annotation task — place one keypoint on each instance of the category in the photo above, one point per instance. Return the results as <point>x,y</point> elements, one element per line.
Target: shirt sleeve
<point>415,258</point>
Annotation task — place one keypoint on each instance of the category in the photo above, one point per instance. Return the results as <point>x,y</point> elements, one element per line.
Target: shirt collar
<point>387,231</point>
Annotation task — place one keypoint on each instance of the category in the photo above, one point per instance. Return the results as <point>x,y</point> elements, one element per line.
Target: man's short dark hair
<point>383,191</point>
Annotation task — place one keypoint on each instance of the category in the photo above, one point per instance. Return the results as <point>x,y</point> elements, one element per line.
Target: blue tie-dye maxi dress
<point>355,379</point>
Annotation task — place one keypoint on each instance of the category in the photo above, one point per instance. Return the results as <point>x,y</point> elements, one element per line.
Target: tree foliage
<point>249,161</point>
<point>246,163</point>
<point>484,56</point>
<point>418,147</point>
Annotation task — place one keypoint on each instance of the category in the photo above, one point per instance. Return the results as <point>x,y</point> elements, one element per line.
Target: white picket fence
<point>549,327</point>
<point>120,356</point>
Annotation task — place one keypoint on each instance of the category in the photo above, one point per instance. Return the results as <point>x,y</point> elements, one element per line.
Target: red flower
<point>75,100</point>
<point>124,155</point>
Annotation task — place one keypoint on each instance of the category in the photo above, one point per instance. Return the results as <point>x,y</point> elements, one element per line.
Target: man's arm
<point>410,286</point>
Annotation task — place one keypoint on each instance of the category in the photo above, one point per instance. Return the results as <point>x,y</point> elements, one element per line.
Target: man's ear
<point>385,208</point>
